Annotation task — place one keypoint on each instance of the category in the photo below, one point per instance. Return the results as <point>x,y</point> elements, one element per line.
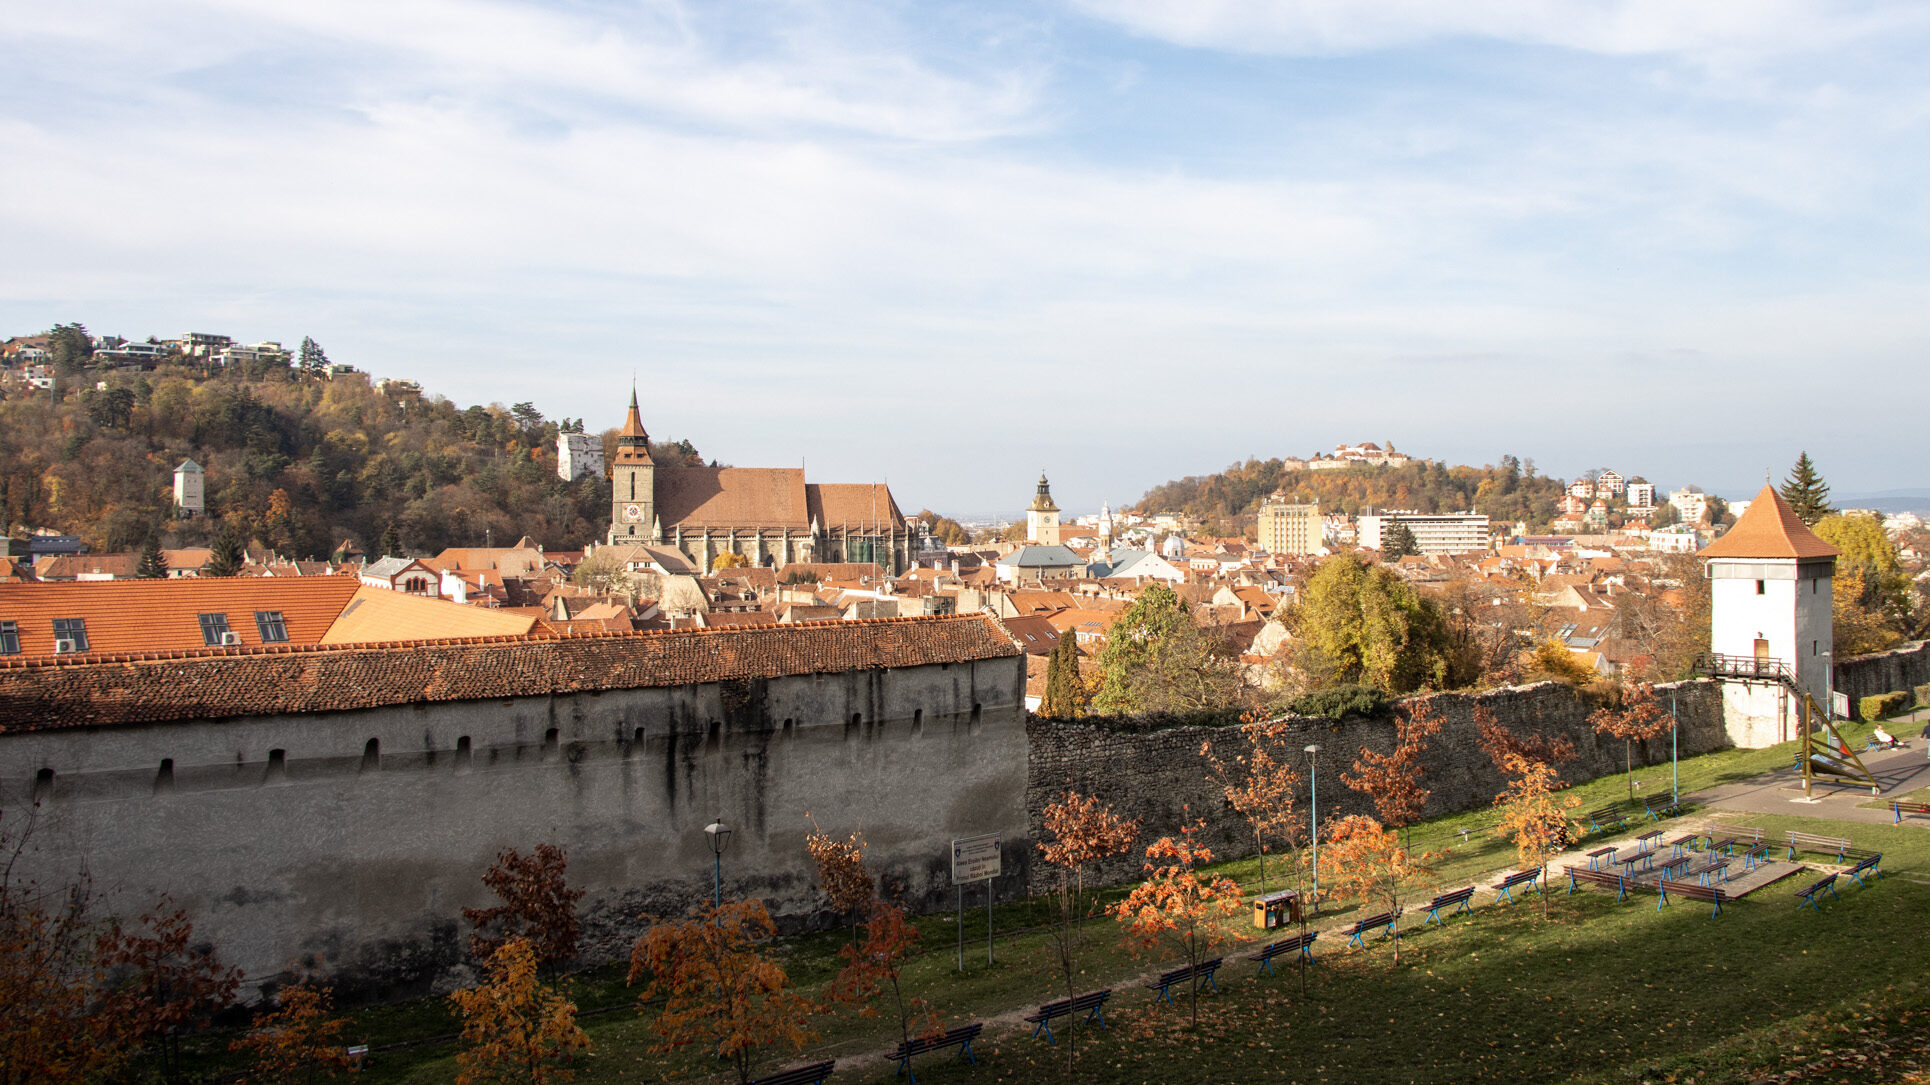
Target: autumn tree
<point>1806,491</point>
<point>1551,661</point>
<point>1369,862</point>
<point>1065,691</point>
<point>1177,908</point>
<point>1158,658</point>
<point>1261,784</point>
<point>719,987</point>
<point>300,1040</point>
<point>514,1027</point>
<point>162,983</point>
<point>1080,831</point>
<point>1393,781</point>
<point>842,874</point>
<point>1357,623</point>
<point>537,906</point>
<point>1637,719</point>
<point>51,979</point>
<point>1533,816</point>
<point>1872,591</point>
<point>875,965</point>
<point>728,560</point>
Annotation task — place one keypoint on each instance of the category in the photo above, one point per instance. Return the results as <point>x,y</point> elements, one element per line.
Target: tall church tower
<point>1105,525</point>
<point>633,483</point>
<point>1042,518</point>
<point>1770,609</point>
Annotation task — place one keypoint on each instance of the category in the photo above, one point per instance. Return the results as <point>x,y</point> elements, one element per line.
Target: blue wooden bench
<point>1092,1004</point>
<point>1810,895</point>
<point>1707,894</point>
<point>1716,869</point>
<point>1598,859</point>
<point>1650,840</point>
<point>1200,973</point>
<point>1865,865</point>
<point>1384,921</point>
<point>1608,817</point>
<point>1685,843</point>
<point>1658,808</point>
<point>1504,889</point>
<point>1755,857</point>
<point>1577,875</point>
<point>813,1074</point>
<point>1898,808</point>
<point>1457,901</point>
<point>960,1037</point>
<point>1299,943</point>
<point>1821,845</point>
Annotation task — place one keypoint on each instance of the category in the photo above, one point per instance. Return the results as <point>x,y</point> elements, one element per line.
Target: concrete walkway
<point>1898,772</point>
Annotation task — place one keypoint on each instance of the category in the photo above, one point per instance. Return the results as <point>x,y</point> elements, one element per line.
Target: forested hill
<point>1228,501</point>
<point>297,461</point>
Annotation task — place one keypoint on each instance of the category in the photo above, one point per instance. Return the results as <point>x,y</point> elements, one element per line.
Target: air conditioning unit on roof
<point>230,639</point>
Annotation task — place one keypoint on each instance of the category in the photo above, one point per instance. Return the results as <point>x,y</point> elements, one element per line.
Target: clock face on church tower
<point>633,513</point>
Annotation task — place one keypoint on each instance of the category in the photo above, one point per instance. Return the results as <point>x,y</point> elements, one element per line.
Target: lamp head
<point>719,835</point>
<point>1313,749</point>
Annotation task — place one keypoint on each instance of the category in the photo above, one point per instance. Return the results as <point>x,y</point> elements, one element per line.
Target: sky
<point>950,245</point>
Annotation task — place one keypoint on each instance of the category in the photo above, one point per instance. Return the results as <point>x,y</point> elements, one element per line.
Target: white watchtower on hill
<point>190,490</point>
<point>1770,608</point>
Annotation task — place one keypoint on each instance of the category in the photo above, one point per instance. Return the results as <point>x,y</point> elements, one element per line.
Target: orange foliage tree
<point>1372,865</point>
<point>719,987</point>
<point>1261,785</point>
<point>300,1040</point>
<point>52,1031</point>
<point>1393,780</point>
<point>162,983</point>
<point>1080,831</point>
<point>1176,907</point>
<point>1639,719</point>
<point>842,874</point>
<point>876,964</point>
<point>1532,816</point>
<point>537,906</point>
<point>514,1027</point>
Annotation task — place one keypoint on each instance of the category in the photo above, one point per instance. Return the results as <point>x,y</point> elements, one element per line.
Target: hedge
<point>1882,705</point>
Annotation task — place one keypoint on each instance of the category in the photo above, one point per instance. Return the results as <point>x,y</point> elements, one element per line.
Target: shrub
<point>1922,695</point>
<point>1339,702</point>
<point>1882,706</point>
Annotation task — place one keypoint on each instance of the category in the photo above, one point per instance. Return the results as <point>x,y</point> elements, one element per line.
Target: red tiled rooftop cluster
<point>101,690</point>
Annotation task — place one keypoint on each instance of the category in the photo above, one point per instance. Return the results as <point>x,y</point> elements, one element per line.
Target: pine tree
<point>1806,491</point>
<point>1399,542</point>
<point>1064,692</point>
<point>391,543</point>
<point>154,564</point>
<point>313,360</point>
<point>228,555</point>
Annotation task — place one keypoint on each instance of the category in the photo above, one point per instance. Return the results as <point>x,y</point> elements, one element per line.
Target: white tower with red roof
<point>1770,608</point>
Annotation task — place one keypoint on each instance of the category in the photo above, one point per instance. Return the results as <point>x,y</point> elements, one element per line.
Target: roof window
<point>70,634</point>
<point>215,631</point>
<point>9,638</point>
<point>273,629</point>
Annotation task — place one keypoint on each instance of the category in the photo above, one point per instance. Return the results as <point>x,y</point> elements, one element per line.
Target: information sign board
<point>975,858</point>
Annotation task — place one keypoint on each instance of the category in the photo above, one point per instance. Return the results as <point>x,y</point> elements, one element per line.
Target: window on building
<point>213,628</point>
<point>273,629</point>
<point>9,639</point>
<point>1761,588</point>
<point>73,629</point>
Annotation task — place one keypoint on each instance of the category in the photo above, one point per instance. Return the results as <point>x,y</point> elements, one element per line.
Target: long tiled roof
<point>727,497</point>
<point>162,615</point>
<point>159,687</point>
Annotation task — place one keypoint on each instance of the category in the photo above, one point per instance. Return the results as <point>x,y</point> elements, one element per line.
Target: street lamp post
<point>1313,788</point>
<point>1675,772</point>
<point>719,835</point>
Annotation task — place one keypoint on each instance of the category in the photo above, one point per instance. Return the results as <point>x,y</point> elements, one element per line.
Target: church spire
<point>633,427</point>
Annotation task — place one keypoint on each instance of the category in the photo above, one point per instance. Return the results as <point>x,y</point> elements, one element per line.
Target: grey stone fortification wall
<point>353,839</point>
<point>1160,777</point>
<point>1901,668</point>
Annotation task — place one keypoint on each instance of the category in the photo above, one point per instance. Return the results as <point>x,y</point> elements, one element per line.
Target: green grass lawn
<point>1594,991</point>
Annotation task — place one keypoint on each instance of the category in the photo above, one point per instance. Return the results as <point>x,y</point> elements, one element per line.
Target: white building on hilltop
<point>579,454</point>
<point>190,489</point>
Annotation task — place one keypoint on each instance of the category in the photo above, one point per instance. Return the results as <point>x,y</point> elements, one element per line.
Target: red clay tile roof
<point>726,497</point>
<point>163,615</point>
<point>839,503</point>
<point>82,691</point>
<point>69,566</point>
<point>1769,528</point>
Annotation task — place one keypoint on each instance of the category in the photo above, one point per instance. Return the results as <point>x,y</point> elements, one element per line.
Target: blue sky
<point>947,245</point>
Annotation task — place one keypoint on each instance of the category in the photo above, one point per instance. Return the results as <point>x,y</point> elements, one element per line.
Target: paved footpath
<point>1899,772</point>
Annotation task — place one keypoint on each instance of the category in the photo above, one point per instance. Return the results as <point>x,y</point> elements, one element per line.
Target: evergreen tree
<point>391,543</point>
<point>313,362</point>
<point>228,555</point>
<point>1806,491</point>
<point>1398,542</point>
<point>1064,693</point>
<point>154,564</point>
